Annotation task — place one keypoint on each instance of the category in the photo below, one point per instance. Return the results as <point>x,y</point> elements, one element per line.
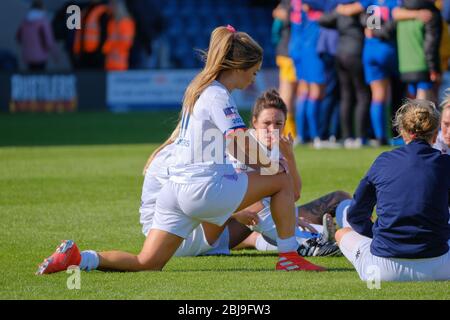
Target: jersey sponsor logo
<point>183,142</point>
<point>231,112</point>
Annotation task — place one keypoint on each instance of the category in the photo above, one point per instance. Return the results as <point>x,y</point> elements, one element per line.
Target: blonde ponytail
<point>228,50</point>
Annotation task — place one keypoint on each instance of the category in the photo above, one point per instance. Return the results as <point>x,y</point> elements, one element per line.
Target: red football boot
<point>66,255</point>
<point>292,261</point>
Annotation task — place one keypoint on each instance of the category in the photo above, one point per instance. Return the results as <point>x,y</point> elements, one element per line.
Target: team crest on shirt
<point>231,112</point>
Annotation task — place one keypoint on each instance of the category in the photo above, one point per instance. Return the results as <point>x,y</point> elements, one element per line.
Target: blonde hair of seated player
<point>415,120</point>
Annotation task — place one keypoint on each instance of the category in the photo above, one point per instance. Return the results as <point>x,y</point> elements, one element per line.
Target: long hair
<point>228,50</point>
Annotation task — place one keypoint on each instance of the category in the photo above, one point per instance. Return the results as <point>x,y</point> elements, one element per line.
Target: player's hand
<point>302,223</point>
<point>287,146</point>
<point>342,10</point>
<point>246,218</point>
<point>283,166</point>
<point>424,15</point>
<point>435,76</point>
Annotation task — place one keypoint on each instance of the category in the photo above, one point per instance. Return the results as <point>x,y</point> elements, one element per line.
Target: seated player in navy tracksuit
<point>410,187</point>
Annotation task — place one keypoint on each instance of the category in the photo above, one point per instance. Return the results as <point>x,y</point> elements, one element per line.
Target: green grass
<point>91,194</point>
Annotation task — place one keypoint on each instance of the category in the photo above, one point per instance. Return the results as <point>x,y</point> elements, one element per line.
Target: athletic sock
<point>378,121</point>
<point>262,245</point>
<point>287,245</point>
<point>312,113</point>
<point>300,118</point>
<point>89,260</point>
<point>341,213</point>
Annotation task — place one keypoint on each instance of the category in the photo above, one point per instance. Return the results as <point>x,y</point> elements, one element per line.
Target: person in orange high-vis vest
<point>89,40</point>
<point>121,32</point>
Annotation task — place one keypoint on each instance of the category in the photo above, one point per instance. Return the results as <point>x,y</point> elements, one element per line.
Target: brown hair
<point>228,50</point>
<point>418,118</point>
<point>267,100</point>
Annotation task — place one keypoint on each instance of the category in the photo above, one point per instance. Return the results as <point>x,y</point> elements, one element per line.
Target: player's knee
<point>147,263</point>
<point>286,184</point>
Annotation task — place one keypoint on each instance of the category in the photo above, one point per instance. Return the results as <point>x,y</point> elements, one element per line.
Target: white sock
<point>262,245</point>
<point>89,260</point>
<point>287,245</point>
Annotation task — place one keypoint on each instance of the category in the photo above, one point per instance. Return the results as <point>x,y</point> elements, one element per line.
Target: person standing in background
<point>35,37</point>
<point>419,32</point>
<point>350,72</point>
<point>288,80</point>
<point>329,108</point>
<point>89,40</point>
<point>121,31</point>
<point>149,25</point>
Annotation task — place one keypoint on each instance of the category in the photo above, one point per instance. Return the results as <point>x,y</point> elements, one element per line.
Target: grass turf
<point>91,194</point>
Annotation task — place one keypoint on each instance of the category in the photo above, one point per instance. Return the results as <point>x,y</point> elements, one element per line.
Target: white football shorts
<point>181,207</point>
<point>356,249</point>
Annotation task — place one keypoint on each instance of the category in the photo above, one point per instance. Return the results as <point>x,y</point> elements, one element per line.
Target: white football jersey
<point>155,178</point>
<point>441,145</point>
<point>200,147</point>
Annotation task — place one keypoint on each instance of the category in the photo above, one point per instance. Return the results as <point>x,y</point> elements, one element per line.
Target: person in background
<point>445,41</point>
<point>60,30</point>
<point>419,31</point>
<point>288,80</point>
<point>329,111</point>
<point>379,58</point>
<point>121,31</point>
<point>350,72</point>
<point>89,40</point>
<point>35,37</point>
<point>149,25</point>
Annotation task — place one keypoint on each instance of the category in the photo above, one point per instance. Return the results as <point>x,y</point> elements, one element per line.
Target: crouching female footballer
<point>410,188</point>
<point>202,186</point>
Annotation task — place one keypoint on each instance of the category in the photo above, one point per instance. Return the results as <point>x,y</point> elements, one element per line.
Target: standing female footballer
<point>202,186</point>
<point>410,188</point>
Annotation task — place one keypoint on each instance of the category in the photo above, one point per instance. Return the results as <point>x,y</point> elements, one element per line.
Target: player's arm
<point>351,9</point>
<point>240,144</point>
<point>287,150</point>
<point>360,212</point>
<point>243,146</point>
<point>249,216</point>
<point>405,14</point>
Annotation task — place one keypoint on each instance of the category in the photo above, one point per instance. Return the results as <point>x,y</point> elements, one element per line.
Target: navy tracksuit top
<point>410,187</point>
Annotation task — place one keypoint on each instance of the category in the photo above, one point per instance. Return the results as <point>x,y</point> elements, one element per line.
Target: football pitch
<point>79,177</point>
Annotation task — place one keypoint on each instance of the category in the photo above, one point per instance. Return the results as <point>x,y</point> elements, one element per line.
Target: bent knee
<point>340,234</point>
<point>147,263</point>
